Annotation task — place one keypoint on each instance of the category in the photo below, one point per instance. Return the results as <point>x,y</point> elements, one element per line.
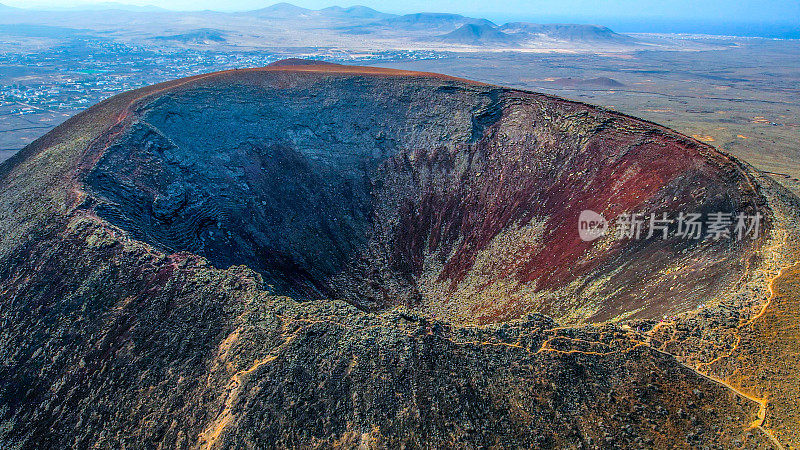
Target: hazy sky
<point>716,11</point>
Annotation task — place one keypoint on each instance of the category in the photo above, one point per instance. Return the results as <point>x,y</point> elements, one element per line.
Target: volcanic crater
<point>173,262</point>
<point>387,188</point>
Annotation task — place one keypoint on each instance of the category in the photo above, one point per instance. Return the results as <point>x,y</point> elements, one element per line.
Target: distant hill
<point>201,36</point>
<point>361,12</point>
<point>435,21</point>
<point>519,33</point>
<point>288,25</point>
<point>478,34</point>
<point>565,32</point>
<point>287,11</point>
<point>280,10</point>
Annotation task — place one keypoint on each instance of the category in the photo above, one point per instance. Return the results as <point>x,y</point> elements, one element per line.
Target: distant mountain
<point>280,10</point>
<point>521,33</point>
<point>201,36</point>
<point>435,21</point>
<point>287,25</point>
<point>361,12</point>
<point>565,32</point>
<point>287,11</point>
<point>478,34</point>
